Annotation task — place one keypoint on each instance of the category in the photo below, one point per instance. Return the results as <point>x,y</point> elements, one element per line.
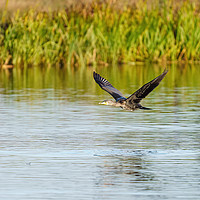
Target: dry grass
<point>46,5</point>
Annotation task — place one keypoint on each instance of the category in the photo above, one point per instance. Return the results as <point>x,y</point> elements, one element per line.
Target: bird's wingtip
<point>165,70</point>
<point>94,73</point>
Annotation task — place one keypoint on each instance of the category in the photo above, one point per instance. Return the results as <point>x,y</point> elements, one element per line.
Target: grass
<point>100,33</point>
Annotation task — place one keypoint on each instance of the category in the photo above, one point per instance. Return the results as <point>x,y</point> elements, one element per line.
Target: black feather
<point>141,93</point>
<point>105,85</point>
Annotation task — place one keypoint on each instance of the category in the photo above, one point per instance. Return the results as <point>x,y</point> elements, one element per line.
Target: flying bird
<point>133,101</point>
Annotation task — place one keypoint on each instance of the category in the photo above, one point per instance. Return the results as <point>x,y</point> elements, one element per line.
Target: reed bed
<point>100,33</point>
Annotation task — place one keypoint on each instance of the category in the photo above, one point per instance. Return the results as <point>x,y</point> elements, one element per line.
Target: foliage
<point>100,33</point>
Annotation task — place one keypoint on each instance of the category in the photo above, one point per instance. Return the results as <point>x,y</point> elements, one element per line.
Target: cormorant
<point>133,101</point>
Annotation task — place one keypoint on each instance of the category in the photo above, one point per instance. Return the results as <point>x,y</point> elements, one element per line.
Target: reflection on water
<point>57,142</point>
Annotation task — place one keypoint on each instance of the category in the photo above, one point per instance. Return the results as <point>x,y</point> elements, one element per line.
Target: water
<point>57,142</point>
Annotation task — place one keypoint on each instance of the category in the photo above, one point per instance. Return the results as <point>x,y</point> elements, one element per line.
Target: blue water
<point>61,144</point>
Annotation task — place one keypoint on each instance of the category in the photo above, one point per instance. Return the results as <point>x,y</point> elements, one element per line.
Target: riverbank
<point>100,33</point>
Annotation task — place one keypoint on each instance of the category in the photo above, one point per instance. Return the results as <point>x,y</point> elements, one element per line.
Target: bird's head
<point>107,102</point>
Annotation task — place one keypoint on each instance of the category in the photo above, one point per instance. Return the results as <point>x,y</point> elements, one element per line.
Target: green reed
<point>101,34</point>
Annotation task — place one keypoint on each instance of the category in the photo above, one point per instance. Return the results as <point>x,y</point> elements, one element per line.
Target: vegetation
<point>100,33</point>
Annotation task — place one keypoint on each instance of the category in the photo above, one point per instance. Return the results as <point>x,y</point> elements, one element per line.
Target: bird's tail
<point>144,108</point>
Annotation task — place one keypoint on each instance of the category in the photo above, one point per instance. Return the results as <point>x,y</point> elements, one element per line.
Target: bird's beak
<point>103,103</point>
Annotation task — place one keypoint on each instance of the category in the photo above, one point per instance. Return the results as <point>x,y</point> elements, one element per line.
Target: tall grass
<point>100,34</point>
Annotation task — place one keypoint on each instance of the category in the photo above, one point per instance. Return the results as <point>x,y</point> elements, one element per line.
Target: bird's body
<point>133,101</point>
<point>123,104</point>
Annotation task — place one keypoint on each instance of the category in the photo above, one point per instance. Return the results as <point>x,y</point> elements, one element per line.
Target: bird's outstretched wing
<point>105,85</point>
<point>141,93</point>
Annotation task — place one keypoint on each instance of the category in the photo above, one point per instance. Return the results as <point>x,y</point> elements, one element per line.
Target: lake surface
<point>57,142</point>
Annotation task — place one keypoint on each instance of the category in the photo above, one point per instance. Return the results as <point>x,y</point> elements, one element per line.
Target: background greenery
<point>100,32</point>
